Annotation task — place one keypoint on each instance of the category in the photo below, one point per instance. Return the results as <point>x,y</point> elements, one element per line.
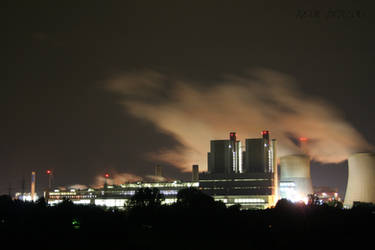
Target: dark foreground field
<point>193,223</point>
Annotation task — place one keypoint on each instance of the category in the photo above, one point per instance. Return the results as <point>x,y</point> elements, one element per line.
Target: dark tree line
<point>196,220</point>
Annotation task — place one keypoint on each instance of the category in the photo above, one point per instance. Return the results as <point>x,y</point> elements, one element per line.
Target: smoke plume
<point>116,179</point>
<point>195,113</point>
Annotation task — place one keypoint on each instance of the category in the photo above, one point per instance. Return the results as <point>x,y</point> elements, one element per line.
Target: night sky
<point>58,112</point>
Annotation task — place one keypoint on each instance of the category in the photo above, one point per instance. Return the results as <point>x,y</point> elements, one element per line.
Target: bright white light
<point>26,197</point>
<point>82,202</point>
<point>249,200</point>
<point>291,194</point>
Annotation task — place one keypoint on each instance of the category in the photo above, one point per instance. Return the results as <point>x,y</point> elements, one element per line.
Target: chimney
<point>158,171</point>
<point>303,145</point>
<point>33,186</point>
<point>195,173</point>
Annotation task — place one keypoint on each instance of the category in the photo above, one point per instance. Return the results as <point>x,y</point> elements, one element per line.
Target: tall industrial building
<point>225,156</point>
<point>361,176</point>
<point>251,180</point>
<point>258,157</point>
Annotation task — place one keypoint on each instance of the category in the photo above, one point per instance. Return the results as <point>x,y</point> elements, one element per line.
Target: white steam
<point>195,114</point>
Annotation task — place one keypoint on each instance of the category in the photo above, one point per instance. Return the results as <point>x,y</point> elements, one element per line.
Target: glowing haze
<point>195,113</point>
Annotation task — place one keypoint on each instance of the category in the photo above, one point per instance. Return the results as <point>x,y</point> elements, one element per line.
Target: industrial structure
<point>225,156</point>
<point>238,176</point>
<point>32,192</point>
<point>195,173</point>
<point>361,176</point>
<point>326,194</point>
<point>117,195</point>
<point>250,182</point>
<point>295,179</point>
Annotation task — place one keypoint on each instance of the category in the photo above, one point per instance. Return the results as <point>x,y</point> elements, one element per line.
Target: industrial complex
<point>247,175</point>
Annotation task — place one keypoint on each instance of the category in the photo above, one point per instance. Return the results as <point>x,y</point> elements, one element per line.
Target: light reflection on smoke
<point>195,114</point>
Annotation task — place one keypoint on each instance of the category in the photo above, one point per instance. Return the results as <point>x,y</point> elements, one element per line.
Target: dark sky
<point>56,113</point>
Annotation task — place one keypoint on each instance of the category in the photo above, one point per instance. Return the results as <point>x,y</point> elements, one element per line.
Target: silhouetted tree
<point>66,203</point>
<point>41,202</point>
<point>284,204</point>
<point>194,198</point>
<point>146,197</point>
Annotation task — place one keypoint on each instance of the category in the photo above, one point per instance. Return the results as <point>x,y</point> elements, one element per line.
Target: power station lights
<point>249,200</point>
<point>288,191</point>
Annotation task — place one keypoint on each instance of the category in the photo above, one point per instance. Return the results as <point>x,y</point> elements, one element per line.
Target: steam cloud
<point>195,114</point>
<point>116,179</point>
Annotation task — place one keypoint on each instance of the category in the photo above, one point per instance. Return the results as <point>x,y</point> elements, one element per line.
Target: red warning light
<point>48,172</point>
<point>264,132</point>
<point>106,175</point>
<point>303,139</point>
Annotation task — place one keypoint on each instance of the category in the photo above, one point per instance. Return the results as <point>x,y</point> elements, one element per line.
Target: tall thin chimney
<point>303,145</point>
<point>33,185</point>
<point>158,171</point>
<point>275,172</point>
<point>195,173</point>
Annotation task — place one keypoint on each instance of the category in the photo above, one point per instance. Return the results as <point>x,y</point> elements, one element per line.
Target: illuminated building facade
<point>250,190</point>
<point>253,186</point>
<point>250,181</point>
<point>117,195</point>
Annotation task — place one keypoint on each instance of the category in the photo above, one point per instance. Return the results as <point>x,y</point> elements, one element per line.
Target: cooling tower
<point>361,179</point>
<point>295,174</point>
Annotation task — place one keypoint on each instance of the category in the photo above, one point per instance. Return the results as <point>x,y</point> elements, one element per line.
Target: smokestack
<point>195,173</point>
<point>266,136</point>
<point>232,136</point>
<point>275,171</point>
<point>33,185</point>
<point>303,145</point>
<point>158,171</point>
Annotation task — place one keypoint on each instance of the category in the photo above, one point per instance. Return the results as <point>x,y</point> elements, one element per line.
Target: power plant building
<point>225,156</point>
<point>258,155</point>
<point>117,195</point>
<point>251,180</point>
<point>247,178</point>
<point>250,183</point>
<point>251,191</point>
